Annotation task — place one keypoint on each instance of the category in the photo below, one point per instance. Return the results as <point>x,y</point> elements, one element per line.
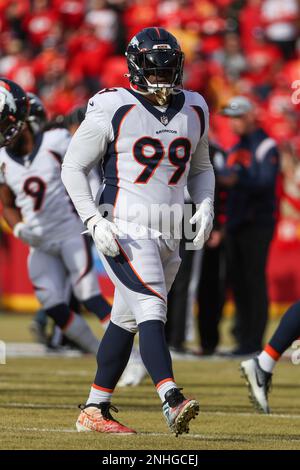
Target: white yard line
<point>204,437</point>
<point>35,350</point>
<point>202,413</point>
<point>15,429</point>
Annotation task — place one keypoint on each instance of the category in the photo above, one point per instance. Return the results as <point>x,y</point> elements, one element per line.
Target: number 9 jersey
<point>147,154</point>
<point>36,183</point>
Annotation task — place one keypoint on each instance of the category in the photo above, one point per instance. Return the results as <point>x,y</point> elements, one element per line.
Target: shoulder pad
<point>109,99</point>
<point>193,98</point>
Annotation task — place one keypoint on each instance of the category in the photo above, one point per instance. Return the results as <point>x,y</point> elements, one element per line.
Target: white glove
<point>104,235</point>
<point>205,216</point>
<point>25,233</point>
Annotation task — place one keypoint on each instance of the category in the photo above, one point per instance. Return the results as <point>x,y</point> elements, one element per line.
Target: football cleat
<point>97,417</point>
<point>259,384</point>
<point>178,411</point>
<point>135,371</point>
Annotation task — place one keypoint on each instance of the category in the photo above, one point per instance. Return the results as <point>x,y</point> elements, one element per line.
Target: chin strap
<point>161,93</point>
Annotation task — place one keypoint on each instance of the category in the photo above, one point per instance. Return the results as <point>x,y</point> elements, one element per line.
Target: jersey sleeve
<point>86,149</point>
<point>59,141</point>
<point>201,177</point>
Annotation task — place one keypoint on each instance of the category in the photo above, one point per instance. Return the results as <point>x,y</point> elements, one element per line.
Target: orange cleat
<point>97,417</point>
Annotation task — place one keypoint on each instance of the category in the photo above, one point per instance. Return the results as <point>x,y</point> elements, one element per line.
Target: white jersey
<point>147,153</point>
<point>35,180</point>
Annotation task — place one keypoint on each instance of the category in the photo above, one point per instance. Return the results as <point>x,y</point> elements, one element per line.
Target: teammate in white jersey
<point>151,140</point>
<point>38,209</point>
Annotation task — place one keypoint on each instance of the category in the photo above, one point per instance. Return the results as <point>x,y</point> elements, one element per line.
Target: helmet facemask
<point>9,130</point>
<point>157,71</point>
<point>13,111</point>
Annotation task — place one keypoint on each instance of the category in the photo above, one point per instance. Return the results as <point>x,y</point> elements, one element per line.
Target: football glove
<point>25,233</point>
<point>104,235</point>
<point>204,216</point>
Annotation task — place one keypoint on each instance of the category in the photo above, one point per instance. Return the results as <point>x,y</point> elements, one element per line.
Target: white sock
<point>99,395</point>
<point>266,362</point>
<point>164,386</point>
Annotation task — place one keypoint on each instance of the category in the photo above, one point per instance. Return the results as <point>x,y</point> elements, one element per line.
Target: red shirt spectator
<point>70,12</point>
<point>50,62</point>
<point>22,73</point>
<point>39,24</point>
<point>113,73</point>
<point>263,60</point>
<point>250,24</point>
<point>140,14</point>
<point>87,54</point>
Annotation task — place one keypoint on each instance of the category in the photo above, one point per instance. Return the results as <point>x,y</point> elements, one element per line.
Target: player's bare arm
<point>13,218</point>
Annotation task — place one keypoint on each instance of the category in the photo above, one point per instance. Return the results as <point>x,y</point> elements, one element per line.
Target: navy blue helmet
<point>155,60</point>
<point>13,110</point>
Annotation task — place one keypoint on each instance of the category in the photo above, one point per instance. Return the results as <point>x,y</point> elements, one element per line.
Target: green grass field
<point>38,400</point>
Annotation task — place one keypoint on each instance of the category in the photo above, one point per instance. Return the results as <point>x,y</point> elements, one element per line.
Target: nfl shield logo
<point>164,120</point>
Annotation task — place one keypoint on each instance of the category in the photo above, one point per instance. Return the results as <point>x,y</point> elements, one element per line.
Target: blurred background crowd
<point>66,50</point>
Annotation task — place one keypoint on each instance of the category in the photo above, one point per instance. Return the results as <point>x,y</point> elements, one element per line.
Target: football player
<point>40,213</point>
<point>151,140</point>
<point>37,119</point>
<point>258,371</point>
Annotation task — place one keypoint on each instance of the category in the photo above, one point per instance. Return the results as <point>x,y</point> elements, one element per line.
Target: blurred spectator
<point>178,297</point>
<point>264,62</point>
<point>39,22</point>
<point>290,182</point>
<point>231,57</point>
<point>14,14</point>
<point>70,12</point>
<point>211,288</point>
<point>104,19</point>
<point>251,174</point>
<point>139,14</point>
<point>281,23</point>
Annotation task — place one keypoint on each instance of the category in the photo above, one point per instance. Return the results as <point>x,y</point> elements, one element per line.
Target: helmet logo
<point>4,85</point>
<point>161,46</point>
<point>164,120</point>
<point>2,101</point>
<point>7,98</point>
<point>134,42</point>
